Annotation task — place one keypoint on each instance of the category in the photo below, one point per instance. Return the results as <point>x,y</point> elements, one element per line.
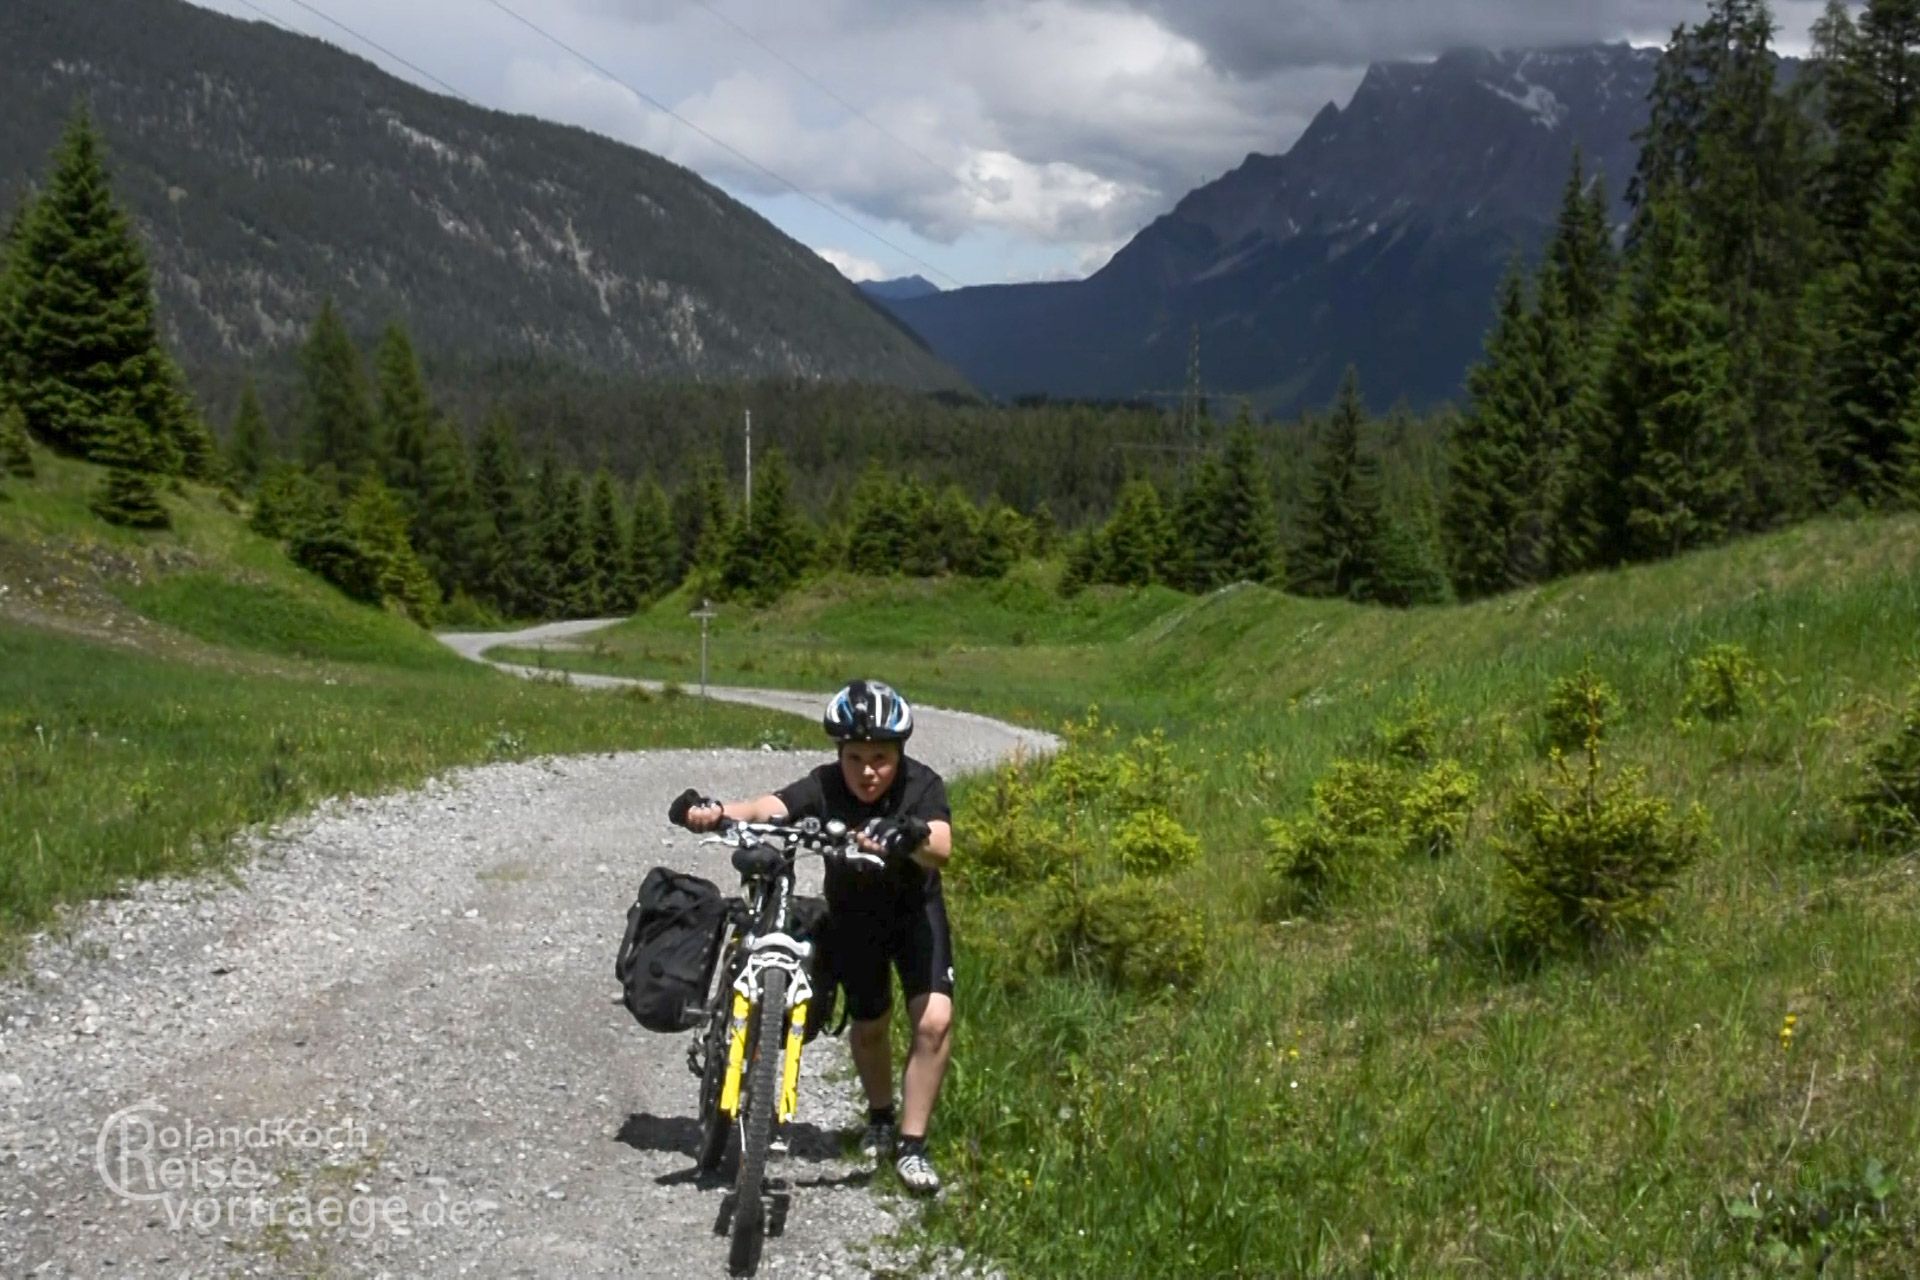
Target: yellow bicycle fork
<point>737,1060</point>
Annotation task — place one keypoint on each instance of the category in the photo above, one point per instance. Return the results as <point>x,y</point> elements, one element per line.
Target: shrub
<point>328,550</point>
<point>16,455</point>
<point>1146,776</point>
<point>1579,710</point>
<point>1886,809</point>
<point>1012,839</point>
<point>1590,859</point>
<point>1412,735</point>
<point>1353,823</point>
<point>1135,934</point>
<point>127,497</point>
<point>1436,809</point>
<point>1722,684</point>
<point>1152,842</point>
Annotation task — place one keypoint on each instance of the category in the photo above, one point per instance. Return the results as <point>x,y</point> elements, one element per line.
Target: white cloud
<point>1062,125</point>
<point>852,265</point>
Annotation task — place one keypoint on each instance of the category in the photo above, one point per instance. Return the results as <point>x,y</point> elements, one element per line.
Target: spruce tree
<point>1580,256</point>
<point>1674,478</point>
<point>1246,524</point>
<point>10,362</point>
<point>247,456</point>
<point>766,555</point>
<point>606,544</point>
<point>650,546</point>
<point>406,417</point>
<point>544,554</point>
<point>1486,453</point>
<point>87,368</point>
<point>1412,568</point>
<point>575,591</point>
<point>376,520</point>
<point>1138,539</point>
<point>1339,553</point>
<point>953,523</point>
<point>1878,371</point>
<point>1199,561</point>
<point>1005,536</point>
<point>16,454</point>
<point>448,529</point>
<point>1736,157</point>
<point>877,543</point>
<point>126,495</point>
<point>501,551</point>
<point>1868,77</point>
<point>339,417</point>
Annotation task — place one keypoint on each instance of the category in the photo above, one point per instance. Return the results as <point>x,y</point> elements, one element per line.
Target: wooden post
<point>706,615</point>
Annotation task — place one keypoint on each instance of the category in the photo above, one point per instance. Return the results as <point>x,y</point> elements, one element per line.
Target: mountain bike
<point>747,1054</point>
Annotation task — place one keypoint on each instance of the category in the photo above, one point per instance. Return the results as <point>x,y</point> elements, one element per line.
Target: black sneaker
<point>876,1144</point>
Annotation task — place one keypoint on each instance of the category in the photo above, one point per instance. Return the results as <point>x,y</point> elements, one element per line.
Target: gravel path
<point>401,1011</point>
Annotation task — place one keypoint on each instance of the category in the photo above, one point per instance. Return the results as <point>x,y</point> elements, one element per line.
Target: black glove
<point>902,836</point>
<point>688,799</point>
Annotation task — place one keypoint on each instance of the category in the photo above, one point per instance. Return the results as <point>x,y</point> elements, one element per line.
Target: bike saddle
<point>757,860</point>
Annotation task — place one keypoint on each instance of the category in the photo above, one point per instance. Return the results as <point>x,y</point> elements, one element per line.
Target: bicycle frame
<point>761,953</point>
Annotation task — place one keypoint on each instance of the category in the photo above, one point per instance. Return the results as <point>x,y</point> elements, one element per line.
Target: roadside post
<point>706,615</point>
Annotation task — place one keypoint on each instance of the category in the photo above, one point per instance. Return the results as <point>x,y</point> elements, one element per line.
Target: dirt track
<point>403,1011</point>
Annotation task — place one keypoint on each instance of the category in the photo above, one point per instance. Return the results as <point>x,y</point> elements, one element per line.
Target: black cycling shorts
<point>915,941</point>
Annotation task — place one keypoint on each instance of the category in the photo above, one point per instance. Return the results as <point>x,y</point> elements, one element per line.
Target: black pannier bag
<point>671,944</point>
<point>809,916</point>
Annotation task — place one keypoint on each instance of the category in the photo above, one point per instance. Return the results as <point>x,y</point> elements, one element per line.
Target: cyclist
<point>876,918</point>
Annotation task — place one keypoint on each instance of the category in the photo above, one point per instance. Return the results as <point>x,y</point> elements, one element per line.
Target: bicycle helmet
<point>868,711</point>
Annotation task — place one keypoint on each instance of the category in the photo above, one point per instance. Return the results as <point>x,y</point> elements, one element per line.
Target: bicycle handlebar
<point>829,840</point>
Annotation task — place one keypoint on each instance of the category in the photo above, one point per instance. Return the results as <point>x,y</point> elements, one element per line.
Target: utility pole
<point>706,615</point>
<point>749,470</point>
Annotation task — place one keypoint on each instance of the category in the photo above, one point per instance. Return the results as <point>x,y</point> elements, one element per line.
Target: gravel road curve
<point>391,1044</point>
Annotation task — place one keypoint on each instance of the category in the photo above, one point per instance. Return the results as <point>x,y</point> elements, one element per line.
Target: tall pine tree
<point>502,551</point>
<point>340,431</point>
<point>82,350</point>
<point>1138,538</point>
<point>606,545</point>
<point>247,449</point>
<point>1339,552</point>
<point>406,417</point>
<point>650,546</point>
<point>1878,370</point>
<point>1670,457</point>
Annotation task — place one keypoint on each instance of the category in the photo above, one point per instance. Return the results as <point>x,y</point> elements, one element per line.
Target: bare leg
<point>873,1058</point>
<point>926,1060</point>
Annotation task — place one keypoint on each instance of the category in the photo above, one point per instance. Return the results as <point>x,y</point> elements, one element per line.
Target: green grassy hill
<point>1371,1087</point>
<point>158,692</point>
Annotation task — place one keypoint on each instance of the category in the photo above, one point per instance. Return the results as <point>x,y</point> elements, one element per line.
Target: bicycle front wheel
<point>768,1046</point>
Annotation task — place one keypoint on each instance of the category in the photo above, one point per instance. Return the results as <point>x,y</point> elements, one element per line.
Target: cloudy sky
<point>970,141</point>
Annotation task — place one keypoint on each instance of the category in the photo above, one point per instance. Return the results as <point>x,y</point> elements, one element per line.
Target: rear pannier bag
<point>671,944</point>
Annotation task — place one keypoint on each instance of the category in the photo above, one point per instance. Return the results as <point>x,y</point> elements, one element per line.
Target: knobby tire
<point>767,1038</point>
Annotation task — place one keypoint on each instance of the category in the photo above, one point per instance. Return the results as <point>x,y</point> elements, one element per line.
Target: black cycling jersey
<point>917,792</point>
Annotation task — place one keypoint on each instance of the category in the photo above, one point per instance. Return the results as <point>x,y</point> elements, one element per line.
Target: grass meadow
<point>159,693</point>
<point>1369,1089</point>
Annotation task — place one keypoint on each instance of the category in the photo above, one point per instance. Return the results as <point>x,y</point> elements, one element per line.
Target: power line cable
<point>728,147</point>
<point>949,174</point>
<point>369,41</point>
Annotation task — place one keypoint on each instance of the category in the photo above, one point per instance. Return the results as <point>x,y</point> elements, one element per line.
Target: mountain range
<point>267,170</point>
<point>1377,239</point>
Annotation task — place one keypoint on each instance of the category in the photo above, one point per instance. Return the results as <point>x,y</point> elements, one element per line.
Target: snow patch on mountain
<point>1538,101</point>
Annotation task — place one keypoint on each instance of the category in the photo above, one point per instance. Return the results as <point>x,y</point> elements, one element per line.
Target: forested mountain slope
<point>268,170</point>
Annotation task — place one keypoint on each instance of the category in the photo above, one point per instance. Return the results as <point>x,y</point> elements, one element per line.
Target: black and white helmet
<point>868,711</point>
